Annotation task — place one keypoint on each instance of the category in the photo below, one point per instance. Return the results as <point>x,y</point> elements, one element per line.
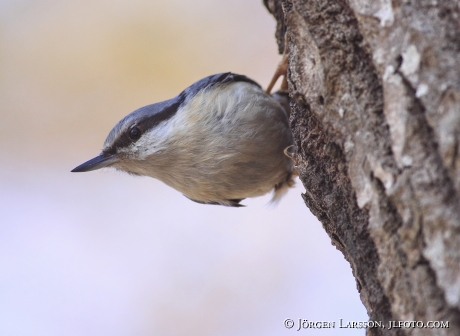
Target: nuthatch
<point>221,140</point>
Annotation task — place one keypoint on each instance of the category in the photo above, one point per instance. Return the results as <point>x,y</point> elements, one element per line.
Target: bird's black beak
<point>98,162</point>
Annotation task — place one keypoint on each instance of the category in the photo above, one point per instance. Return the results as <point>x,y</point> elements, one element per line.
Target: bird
<point>221,140</point>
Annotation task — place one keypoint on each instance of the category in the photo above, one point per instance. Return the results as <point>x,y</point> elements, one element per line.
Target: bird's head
<point>134,139</point>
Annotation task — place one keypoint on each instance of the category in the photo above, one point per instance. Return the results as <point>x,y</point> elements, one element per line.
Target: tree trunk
<point>375,112</point>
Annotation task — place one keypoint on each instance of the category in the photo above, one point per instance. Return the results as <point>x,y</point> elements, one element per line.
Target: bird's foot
<point>281,70</point>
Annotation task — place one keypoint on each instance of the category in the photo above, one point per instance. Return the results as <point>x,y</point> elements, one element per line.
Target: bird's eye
<point>135,133</point>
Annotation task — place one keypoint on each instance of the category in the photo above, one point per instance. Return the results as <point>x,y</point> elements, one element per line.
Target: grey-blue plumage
<point>219,141</point>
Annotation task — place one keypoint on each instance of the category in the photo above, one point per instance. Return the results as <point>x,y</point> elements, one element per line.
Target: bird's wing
<point>230,203</point>
<point>217,79</point>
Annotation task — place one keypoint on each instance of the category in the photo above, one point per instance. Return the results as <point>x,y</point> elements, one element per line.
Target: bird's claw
<point>281,70</point>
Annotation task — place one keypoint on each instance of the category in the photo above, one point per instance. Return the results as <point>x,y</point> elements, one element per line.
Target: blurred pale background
<point>104,253</point>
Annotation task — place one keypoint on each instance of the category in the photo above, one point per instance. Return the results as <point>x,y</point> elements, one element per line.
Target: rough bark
<point>375,111</point>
